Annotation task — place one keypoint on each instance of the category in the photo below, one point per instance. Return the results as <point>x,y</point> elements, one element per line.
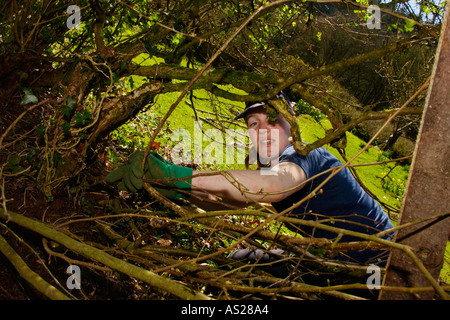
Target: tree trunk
<point>428,187</point>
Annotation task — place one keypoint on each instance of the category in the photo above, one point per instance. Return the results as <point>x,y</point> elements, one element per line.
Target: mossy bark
<point>96,254</point>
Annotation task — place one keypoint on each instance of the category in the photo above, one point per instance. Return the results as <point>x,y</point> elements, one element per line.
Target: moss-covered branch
<point>96,254</point>
<point>29,275</point>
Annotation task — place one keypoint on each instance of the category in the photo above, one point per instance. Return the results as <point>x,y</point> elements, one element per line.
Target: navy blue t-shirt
<point>342,199</point>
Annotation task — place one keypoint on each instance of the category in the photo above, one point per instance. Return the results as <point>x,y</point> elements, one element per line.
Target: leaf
<point>13,164</point>
<point>13,160</point>
<point>70,104</point>
<point>40,130</point>
<point>78,118</point>
<point>154,17</point>
<point>82,118</point>
<point>123,66</point>
<point>176,40</point>
<point>156,145</point>
<point>29,97</point>
<point>319,36</point>
<point>66,127</point>
<point>409,26</point>
<point>87,115</point>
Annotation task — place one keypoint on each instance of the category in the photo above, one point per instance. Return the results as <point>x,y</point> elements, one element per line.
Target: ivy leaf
<point>29,97</point>
<point>123,66</point>
<point>70,104</point>
<point>114,79</point>
<point>78,118</point>
<point>82,118</point>
<point>13,160</point>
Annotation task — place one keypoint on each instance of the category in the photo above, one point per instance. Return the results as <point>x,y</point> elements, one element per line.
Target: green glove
<point>128,177</point>
<point>160,168</point>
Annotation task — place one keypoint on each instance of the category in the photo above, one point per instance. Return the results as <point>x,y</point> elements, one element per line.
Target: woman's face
<point>269,138</point>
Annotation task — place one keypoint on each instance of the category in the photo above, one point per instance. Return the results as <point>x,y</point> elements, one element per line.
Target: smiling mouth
<point>267,141</point>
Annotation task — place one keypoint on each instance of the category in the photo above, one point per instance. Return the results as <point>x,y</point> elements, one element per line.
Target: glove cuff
<point>170,171</point>
<point>181,172</point>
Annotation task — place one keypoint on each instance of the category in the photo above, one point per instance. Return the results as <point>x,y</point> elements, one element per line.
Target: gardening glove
<point>128,176</point>
<point>160,168</point>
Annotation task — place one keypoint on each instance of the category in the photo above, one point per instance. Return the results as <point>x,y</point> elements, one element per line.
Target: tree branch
<point>29,275</point>
<point>96,254</point>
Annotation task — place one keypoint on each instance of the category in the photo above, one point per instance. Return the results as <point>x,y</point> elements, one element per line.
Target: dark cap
<point>253,105</point>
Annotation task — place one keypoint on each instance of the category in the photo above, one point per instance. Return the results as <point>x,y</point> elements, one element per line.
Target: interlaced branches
<point>185,264</point>
<point>86,82</point>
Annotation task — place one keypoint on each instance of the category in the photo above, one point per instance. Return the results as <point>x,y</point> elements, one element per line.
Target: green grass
<point>133,134</point>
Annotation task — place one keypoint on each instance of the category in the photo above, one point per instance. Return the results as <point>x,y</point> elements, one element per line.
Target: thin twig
<point>18,119</point>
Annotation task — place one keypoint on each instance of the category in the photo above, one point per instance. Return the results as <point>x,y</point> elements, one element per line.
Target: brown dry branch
<point>372,239</point>
<point>5,133</point>
<point>190,268</point>
<point>226,280</point>
<point>220,224</point>
<point>193,266</point>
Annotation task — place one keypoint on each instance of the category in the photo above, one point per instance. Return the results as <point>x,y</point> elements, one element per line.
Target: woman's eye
<point>252,124</point>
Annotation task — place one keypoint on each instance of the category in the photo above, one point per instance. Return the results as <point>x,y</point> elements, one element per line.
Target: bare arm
<point>246,186</point>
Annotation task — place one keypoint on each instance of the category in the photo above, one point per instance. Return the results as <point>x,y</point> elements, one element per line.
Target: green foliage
<point>82,118</point>
<point>305,108</point>
<point>394,186</point>
<point>29,97</point>
<point>68,107</point>
<point>319,36</point>
<point>13,164</point>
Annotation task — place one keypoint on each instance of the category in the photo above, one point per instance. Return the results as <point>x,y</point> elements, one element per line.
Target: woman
<point>342,203</point>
